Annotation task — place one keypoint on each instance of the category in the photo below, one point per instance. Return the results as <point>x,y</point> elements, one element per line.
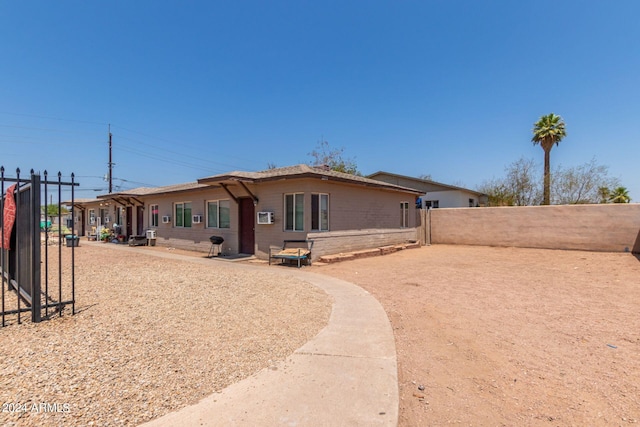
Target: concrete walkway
<point>345,376</point>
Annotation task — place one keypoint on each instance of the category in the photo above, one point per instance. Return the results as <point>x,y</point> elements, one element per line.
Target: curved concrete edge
<point>346,375</point>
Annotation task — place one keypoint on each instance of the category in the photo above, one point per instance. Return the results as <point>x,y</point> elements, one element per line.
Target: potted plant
<point>105,234</point>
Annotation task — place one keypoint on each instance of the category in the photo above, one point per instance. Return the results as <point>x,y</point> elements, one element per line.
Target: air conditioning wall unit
<point>166,219</point>
<point>265,218</point>
<point>196,219</point>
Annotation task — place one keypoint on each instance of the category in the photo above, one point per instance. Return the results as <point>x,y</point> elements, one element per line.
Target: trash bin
<point>151,237</point>
<point>72,240</point>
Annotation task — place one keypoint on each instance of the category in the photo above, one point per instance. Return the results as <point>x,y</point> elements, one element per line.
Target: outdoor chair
<point>292,250</point>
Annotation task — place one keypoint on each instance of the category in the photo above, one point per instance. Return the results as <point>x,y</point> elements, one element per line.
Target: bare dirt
<point>510,337</point>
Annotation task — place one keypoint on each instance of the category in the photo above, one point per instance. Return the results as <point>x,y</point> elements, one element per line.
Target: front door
<point>246,225</point>
<point>129,225</point>
<point>140,220</point>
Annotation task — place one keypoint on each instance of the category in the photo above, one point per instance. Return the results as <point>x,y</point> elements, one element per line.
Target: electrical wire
<point>159,153</point>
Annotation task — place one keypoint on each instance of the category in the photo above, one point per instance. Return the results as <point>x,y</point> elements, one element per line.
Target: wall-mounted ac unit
<point>166,219</point>
<point>197,219</point>
<point>265,217</point>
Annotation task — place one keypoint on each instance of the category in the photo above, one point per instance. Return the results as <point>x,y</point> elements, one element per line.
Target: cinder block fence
<point>605,227</point>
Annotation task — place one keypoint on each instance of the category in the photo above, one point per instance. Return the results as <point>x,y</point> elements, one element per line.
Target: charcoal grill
<point>216,246</point>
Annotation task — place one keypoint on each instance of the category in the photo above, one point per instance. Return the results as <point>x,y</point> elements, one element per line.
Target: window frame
<point>219,224</point>
<point>183,220</point>
<point>404,214</point>
<point>295,215</point>
<point>317,211</point>
<point>154,215</point>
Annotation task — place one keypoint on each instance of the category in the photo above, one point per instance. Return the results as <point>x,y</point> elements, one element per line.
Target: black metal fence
<point>25,228</point>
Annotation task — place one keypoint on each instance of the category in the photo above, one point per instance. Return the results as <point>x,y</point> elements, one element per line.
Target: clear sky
<point>195,88</point>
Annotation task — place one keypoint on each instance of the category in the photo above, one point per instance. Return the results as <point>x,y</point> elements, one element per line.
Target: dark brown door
<point>129,218</point>
<point>246,225</point>
<point>140,220</point>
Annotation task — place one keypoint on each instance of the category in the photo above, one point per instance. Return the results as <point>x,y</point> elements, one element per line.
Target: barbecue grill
<point>216,246</point>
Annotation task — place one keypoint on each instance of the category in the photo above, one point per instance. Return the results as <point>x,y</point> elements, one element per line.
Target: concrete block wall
<point>334,242</point>
<point>604,227</point>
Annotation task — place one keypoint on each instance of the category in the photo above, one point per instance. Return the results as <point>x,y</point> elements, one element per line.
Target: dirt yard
<point>510,337</point>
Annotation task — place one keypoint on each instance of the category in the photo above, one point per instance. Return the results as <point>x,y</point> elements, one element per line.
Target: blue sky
<point>192,89</point>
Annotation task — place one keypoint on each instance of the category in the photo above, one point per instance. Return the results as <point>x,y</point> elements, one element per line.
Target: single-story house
<point>253,211</point>
<point>435,194</point>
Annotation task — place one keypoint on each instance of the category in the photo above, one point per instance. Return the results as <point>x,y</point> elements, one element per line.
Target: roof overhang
<point>123,199</point>
<point>225,181</point>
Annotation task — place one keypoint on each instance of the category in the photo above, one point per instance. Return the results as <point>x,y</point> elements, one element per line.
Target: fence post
<point>36,301</point>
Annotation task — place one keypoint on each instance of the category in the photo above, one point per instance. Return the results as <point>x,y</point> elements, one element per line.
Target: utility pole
<point>110,163</point>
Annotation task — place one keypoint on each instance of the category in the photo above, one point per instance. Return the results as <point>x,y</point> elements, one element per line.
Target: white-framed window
<point>320,212</point>
<point>92,217</point>
<point>294,212</point>
<point>218,214</point>
<point>153,215</point>
<point>404,214</point>
<point>429,204</point>
<point>182,214</point>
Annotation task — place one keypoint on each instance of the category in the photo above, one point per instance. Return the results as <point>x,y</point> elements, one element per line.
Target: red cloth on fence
<point>9,216</point>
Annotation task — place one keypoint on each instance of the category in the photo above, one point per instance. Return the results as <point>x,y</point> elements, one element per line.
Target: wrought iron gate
<point>23,233</point>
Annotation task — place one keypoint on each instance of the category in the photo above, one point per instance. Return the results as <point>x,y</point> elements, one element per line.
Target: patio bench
<point>292,250</point>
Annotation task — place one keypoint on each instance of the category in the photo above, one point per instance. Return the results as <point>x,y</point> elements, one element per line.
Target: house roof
<point>419,181</point>
<point>301,171</point>
<point>79,201</point>
<point>146,191</point>
<point>289,172</point>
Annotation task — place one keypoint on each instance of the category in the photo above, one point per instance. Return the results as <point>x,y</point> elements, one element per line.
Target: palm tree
<point>619,195</point>
<point>547,131</point>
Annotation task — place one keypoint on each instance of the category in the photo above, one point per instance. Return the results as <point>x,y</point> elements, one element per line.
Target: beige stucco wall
<point>197,236</point>
<point>351,207</point>
<point>606,227</point>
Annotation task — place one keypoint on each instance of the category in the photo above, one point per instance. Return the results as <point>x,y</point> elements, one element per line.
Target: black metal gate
<point>24,229</point>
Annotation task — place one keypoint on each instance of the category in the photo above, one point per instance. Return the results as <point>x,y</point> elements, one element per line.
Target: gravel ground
<point>151,335</point>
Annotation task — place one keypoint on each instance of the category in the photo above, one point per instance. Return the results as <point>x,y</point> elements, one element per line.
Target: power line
<point>52,118</point>
<point>172,161</point>
<point>155,147</point>
<point>159,153</point>
<point>44,129</point>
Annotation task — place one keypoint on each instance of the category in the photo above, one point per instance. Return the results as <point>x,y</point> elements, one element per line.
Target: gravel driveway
<point>151,335</point>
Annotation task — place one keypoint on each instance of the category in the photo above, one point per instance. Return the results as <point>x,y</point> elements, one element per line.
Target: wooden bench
<point>292,250</point>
